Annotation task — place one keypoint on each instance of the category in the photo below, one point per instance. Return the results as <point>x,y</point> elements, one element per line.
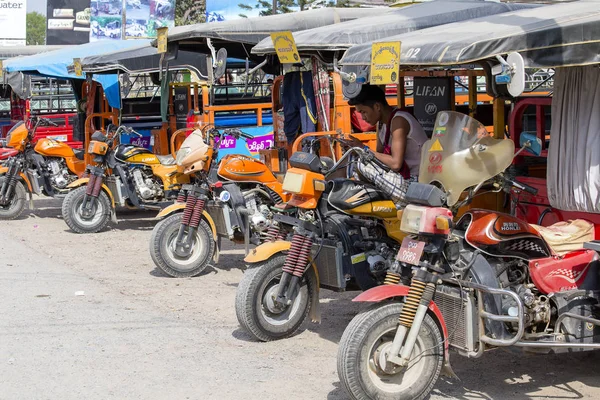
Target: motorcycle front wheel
<point>15,207</point>
<point>162,248</point>
<point>361,360</point>
<point>72,212</point>
<point>256,310</point>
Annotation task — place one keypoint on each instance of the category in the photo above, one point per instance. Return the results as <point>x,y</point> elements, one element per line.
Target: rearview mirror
<point>531,143</point>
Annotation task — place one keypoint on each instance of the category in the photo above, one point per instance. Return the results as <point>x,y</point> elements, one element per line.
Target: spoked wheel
<point>72,211</point>
<point>362,363</point>
<point>163,243</point>
<point>16,205</point>
<point>256,308</point>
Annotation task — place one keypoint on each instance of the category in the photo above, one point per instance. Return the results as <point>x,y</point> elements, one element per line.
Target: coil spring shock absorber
<point>92,191</point>
<point>407,315</point>
<point>300,267</point>
<point>192,215</point>
<point>391,278</point>
<point>181,196</point>
<point>290,265</point>
<point>10,182</point>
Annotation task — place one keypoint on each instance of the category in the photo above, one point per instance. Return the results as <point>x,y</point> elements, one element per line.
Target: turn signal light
<point>442,223</point>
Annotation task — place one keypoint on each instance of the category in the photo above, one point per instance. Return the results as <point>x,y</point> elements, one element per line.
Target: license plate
<point>410,251</point>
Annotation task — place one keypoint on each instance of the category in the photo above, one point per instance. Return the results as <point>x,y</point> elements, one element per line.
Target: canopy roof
<point>54,63</point>
<point>19,51</point>
<point>143,59</point>
<point>395,21</point>
<point>240,35</point>
<point>555,35</point>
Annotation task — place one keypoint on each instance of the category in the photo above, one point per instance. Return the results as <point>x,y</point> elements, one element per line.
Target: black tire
<point>252,313</point>
<point>163,236</point>
<point>72,216</point>
<point>17,203</point>
<point>370,330</point>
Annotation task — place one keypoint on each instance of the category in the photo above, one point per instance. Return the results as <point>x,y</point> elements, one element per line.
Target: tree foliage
<point>36,29</point>
<point>189,12</point>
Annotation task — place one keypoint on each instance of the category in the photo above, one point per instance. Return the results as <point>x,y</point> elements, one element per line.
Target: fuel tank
<point>240,168</point>
<point>503,235</point>
<point>135,155</point>
<point>53,148</point>
<point>359,198</point>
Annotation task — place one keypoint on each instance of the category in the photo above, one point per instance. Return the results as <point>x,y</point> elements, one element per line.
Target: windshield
<point>461,154</point>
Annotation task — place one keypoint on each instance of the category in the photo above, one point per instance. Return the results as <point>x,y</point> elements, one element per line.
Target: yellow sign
<point>385,63</point>
<point>285,46</point>
<point>436,146</point>
<point>77,67</point>
<point>161,39</point>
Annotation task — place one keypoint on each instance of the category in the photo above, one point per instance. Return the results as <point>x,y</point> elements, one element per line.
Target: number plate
<point>410,251</point>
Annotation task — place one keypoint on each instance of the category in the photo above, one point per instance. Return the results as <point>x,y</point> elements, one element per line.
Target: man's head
<point>370,103</point>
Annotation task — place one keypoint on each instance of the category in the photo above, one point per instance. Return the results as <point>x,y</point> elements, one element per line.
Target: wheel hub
<point>270,301</point>
<point>381,363</point>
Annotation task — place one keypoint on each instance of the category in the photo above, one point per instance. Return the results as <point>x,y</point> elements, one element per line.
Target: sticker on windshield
<point>440,131</point>
<point>443,119</point>
<point>436,146</point>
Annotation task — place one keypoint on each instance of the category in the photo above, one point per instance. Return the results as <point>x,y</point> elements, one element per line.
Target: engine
<point>145,184</point>
<point>537,309</point>
<point>260,217</point>
<point>59,173</point>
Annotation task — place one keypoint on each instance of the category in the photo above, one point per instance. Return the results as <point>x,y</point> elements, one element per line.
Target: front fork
<point>295,266</point>
<point>92,191</point>
<point>8,187</point>
<point>420,294</point>
<point>195,198</point>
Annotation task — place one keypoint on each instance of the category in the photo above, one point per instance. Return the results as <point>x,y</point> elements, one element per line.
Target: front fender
<point>266,250</point>
<point>165,212</point>
<point>386,292</point>
<point>4,170</point>
<point>83,181</point>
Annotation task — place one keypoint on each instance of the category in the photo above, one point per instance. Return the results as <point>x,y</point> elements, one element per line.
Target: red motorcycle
<point>489,281</point>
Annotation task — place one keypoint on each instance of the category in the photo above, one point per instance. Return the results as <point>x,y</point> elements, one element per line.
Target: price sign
<point>285,46</point>
<point>161,39</point>
<point>77,66</point>
<point>385,63</point>
<point>410,251</point>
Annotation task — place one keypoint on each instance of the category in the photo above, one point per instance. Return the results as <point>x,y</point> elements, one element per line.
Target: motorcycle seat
<point>79,153</point>
<point>166,160</point>
<point>566,236</point>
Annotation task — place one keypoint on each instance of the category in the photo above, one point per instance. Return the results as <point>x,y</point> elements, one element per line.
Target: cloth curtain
<point>574,154</point>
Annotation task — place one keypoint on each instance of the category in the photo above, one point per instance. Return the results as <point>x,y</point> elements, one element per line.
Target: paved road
<point>135,334</point>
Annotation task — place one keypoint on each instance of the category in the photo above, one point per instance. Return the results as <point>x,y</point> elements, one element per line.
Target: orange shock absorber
<point>407,315</point>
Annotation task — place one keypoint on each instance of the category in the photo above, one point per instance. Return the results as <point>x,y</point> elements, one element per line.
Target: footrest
<point>593,245</point>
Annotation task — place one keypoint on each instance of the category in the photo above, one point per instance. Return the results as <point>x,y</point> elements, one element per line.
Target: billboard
<point>226,10</point>
<point>141,18</point>
<point>68,22</point>
<point>13,22</point>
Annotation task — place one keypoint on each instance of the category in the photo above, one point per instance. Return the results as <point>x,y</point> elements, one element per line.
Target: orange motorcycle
<point>44,168</point>
<point>231,199</point>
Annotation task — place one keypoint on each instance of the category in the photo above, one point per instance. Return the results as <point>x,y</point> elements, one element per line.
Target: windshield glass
<point>461,154</point>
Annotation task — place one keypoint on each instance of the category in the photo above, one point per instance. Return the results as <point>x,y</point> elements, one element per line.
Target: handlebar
<point>237,133</point>
<point>523,187</point>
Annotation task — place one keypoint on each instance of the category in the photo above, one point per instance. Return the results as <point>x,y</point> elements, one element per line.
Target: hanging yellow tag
<point>436,146</point>
<point>385,63</point>
<point>285,46</point>
<point>77,67</point>
<point>161,39</point>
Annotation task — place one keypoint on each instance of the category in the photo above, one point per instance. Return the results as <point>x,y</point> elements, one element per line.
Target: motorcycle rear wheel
<point>162,244</point>
<point>17,203</point>
<point>364,341</point>
<point>72,214</point>
<point>255,310</point>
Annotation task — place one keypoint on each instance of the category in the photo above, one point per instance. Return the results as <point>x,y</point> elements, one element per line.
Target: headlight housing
<point>293,182</point>
<point>182,153</point>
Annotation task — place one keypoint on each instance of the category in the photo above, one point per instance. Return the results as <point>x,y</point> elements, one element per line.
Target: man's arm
<point>400,129</point>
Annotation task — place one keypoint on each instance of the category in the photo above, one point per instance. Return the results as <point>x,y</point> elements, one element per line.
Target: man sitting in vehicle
<point>400,138</point>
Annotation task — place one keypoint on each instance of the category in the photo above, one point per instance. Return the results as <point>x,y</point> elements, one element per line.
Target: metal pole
<point>274,7</point>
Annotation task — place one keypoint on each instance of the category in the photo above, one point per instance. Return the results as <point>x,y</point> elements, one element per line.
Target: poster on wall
<point>68,22</point>
<point>13,22</point>
<point>106,20</point>
<point>162,14</point>
<point>227,10</point>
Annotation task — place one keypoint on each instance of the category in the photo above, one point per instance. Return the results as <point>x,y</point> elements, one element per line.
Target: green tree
<point>189,12</point>
<point>36,29</point>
